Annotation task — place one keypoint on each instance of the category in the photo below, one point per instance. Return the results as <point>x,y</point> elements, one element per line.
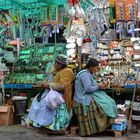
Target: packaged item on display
<point>112,13</point>
<point>3,66</point>
<point>53,14</point>
<point>78,28</point>
<point>44,14</point>
<point>87,46</point>
<point>130,10</point>
<point>79,12</point>
<point>119,9</point>
<point>136,111</point>
<point>119,126</point>
<point>138,6</point>
<point>131,27</point>
<point>9,57</point>
<point>119,27</point>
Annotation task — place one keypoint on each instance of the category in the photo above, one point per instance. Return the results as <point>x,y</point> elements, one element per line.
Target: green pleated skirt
<point>91,118</point>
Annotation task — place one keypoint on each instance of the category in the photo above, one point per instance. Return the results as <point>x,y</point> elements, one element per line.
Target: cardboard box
<point>6,115</point>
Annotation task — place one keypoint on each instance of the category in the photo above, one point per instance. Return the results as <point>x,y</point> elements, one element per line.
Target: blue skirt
<point>40,115</point>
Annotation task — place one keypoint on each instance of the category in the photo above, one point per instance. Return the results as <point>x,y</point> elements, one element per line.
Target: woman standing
<point>59,118</point>
<point>94,109</point>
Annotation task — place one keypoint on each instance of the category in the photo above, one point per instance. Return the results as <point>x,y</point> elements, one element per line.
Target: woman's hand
<point>45,85</point>
<point>105,83</point>
<point>37,85</point>
<point>101,86</point>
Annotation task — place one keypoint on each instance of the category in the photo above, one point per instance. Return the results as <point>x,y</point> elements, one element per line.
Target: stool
<point>74,129</point>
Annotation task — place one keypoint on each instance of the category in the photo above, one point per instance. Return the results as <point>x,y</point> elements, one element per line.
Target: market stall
<point>34,32</point>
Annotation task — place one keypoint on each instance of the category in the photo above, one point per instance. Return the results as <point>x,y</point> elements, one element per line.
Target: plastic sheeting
<point>23,4</point>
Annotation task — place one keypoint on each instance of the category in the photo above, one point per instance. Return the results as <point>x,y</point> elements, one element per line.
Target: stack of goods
<point>123,12</point>
<point>76,33</point>
<point>71,52</point>
<point>120,123</point>
<point>35,64</point>
<point>136,109</point>
<point>102,53</point>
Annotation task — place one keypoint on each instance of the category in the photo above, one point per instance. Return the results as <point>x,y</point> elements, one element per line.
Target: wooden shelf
<point>102,54</point>
<point>103,48</point>
<point>128,46</point>
<point>113,53</point>
<point>136,52</point>
<point>136,60</point>
<point>115,59</point>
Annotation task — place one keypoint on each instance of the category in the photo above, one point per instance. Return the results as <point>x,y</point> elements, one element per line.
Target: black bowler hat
<point>62,59</point>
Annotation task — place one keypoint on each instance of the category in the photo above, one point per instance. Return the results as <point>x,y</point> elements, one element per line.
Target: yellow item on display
<point>53,14</point>
<point>111,2</point>
<point>112,11</point>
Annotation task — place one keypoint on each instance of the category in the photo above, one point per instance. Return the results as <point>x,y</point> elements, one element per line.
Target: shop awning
<point>23,4</point>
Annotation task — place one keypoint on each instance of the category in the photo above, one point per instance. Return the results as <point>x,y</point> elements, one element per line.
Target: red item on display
<point>23,94</point>
<point>87,40</point>
<point>73,2</point>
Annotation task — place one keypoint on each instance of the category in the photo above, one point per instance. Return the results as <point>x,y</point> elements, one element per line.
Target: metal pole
<point>133,99</point>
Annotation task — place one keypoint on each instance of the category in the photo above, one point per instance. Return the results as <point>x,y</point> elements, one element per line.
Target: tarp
<point>23,4</point>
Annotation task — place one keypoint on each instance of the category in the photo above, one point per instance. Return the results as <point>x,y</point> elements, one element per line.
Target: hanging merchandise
<point>53,14</point>
<point>75,27</point>
<point>44,14</point>
<point>61,15</point>
<point>9,57</point>
<point>138,9</point>
<point>120,29</point>
<point>119,4</point>
<point>3,66</point>
<point>131,27</point>
<point>97,22</point>
<point>79,12</point>
<point>71,51</point>
<point>112,12</point>
<point>130,10</point>
<point>126,10</point>
<point>87,46</point>
<point>69,11</point>
<point>78,28</point>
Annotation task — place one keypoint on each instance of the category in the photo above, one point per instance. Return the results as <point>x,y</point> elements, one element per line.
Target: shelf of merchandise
<point>18,86</point>
<point>102,48</point>
<point>30,86</point>
<point>115,59</point>
<point>136,60</point>
<point>128,46</point>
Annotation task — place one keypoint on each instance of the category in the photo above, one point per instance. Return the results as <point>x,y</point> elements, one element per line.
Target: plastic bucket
<point>19,105</point>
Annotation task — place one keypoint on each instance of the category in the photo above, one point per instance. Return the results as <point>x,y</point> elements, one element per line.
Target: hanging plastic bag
<point>53,99</point>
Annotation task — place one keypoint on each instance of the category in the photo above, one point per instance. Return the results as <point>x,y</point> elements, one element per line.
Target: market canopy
<point>23,4</point>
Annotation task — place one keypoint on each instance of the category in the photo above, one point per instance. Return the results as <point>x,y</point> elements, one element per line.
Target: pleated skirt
<point>91,118</point>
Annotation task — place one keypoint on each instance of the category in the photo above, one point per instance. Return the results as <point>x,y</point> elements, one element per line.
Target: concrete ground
<point>18,132</point>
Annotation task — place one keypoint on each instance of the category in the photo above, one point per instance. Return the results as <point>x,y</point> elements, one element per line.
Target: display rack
<point>35,63</point>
